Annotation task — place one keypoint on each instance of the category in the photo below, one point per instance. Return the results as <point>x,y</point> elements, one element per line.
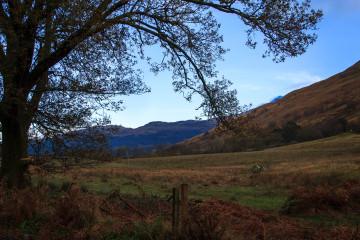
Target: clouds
<point>298,79</point>
<point>337,6</point>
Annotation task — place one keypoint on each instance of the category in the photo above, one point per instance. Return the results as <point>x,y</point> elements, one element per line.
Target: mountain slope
<point>321,103</point>
<point>333,98</point>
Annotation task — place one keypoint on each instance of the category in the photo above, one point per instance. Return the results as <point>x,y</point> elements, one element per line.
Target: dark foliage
<point>64,62</point>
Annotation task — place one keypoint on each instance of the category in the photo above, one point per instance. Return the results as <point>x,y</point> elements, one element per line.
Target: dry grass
<point>246,223</point>
<point>75,214</point>
<point>301,164</point>
<point>343,197</point>
<point>227,176</point>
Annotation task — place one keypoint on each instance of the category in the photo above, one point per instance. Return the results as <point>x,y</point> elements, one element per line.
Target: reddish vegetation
<point>344,196</point>
<point>247,223</point>
<point>77,215</point>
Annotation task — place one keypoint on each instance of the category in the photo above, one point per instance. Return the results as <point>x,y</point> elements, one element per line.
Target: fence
<point>180,210</point>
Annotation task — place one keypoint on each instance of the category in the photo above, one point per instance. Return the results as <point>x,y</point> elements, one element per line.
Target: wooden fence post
<point>184,204</point>
<point>175,209</point>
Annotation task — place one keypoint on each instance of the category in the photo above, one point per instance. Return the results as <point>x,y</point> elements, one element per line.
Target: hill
<point>316,108</point>
<point>119,139</point>
<point>155,133</point>
<point>333,98</point>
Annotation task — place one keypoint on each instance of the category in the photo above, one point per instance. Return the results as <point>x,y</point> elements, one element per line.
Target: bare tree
<point>63,60</point>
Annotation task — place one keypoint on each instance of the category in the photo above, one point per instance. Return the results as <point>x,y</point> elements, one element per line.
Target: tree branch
<point>2,59</point>
<point>221,7</point>
<point>115,7</point>
<point>174,46</point>
<point>36,13</point>
<point>5,21</point>
<point>73,40</point>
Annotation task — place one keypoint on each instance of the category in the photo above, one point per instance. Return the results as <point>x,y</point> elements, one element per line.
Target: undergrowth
<point>42,213</point>
<point>341,197</point>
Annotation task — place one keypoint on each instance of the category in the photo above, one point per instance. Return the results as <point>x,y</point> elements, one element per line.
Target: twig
<point>109,207</point>
<point>356,233</point>
<point>170,198</point>
<point>116,193</point>
<point>144,194</point>
<point>264,233</point>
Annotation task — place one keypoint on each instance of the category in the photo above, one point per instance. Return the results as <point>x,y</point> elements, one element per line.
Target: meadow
<point>308,190</point>
<point>226,176</point>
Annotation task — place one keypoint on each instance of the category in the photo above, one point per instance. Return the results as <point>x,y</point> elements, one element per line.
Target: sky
<point>257,80</point>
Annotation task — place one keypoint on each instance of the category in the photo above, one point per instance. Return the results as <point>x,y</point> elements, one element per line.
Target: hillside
<point>333,98</point>
<point>318,105</point>
<point>155,133</point>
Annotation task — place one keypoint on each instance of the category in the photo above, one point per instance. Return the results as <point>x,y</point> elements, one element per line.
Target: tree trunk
<point>14,147</point>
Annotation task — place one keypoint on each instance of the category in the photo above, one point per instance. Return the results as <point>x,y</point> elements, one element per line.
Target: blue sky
<point>257,79</point>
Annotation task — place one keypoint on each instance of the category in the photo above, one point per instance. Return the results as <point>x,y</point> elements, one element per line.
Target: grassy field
<point>306,191</point>
<point>225,176</point>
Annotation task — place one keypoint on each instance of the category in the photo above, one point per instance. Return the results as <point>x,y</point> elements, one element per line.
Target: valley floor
<point>308,190</point>
<point>228,176</point>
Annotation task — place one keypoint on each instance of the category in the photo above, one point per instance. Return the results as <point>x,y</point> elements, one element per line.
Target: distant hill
<point>144,138</point>
<point>276,99</point>
<point>155,133</point>
<point>318,105</point>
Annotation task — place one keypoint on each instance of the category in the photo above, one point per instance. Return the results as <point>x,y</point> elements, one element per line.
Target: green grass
<point>227,175</point>
<point>259,198</point>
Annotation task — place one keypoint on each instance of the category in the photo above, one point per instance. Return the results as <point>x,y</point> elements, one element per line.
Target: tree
<point>343,123</point>
<point>62,61</point>
<point>290,131</point>
<point>122,151</point>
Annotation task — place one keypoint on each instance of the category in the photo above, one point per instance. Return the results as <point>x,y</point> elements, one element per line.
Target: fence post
<point>184,204</point>
<point>175,209</point>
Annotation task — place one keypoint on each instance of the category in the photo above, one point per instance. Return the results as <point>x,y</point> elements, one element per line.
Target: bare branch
<point>176,47</point>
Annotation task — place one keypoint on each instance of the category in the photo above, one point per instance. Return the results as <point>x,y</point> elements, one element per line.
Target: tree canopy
<point>61,61</point>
